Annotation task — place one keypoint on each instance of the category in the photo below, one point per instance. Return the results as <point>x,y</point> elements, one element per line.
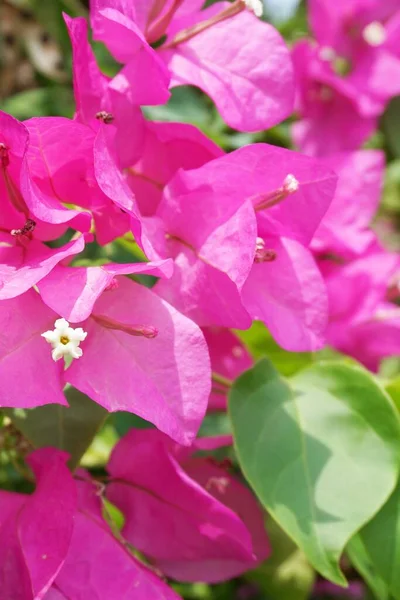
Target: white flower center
<point>65,340</point>
<point>256,6</point>
<point>374,34</point>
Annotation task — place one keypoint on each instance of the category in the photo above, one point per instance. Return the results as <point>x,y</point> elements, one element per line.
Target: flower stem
<point>221,380</point>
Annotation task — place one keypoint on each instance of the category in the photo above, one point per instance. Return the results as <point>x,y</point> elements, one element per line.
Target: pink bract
<point>200,537</point>
<point>250,95</point>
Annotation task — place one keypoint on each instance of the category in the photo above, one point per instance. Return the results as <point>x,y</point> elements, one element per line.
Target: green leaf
<point>261,343</point>
<point>321,451</point>
<point>39,102</point>
<point>393,389</point>
<point>68,428</point>
<point>286,575</point>
<point>381,539</point>
<point>362,563</point>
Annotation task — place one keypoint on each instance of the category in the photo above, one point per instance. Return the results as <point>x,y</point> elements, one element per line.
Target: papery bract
<point>36,530</point>
<point>249,96</point>
<point>363,323</point>
<point>100,566</point>
<point>344,230</point>
<point>328,106</point>
<point>214,218</point>
<point>157,359</point>
<point>199,535</point>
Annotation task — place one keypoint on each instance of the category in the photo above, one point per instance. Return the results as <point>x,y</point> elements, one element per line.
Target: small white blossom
<point>256,6</point>
<point>374,34</point>
<point>65,340</point>
<point>290,184</point>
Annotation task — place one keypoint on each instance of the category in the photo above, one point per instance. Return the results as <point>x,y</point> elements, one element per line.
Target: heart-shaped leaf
<point>321,451</point>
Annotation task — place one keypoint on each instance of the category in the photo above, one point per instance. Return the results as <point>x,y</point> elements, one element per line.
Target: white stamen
<point>65,340</point>
<point>290,184</point>
<point>374,34</point>
<point>256,6</point>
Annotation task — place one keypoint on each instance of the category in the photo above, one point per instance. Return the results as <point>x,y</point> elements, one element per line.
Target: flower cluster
<point>346,76</point>
<point>261,233</point>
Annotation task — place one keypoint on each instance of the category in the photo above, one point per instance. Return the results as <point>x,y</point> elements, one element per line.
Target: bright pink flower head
<point>194,505</point>
<point>347,79</point>
<point>216,49</point>
<point>335,115</point>
<point>31,210</point>
<point>238,229</point>
<point>149,152</point>
<point>56,545</point>
<point>155,360</point>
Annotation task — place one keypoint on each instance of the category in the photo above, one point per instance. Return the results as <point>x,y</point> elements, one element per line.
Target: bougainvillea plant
<point>200,306</point>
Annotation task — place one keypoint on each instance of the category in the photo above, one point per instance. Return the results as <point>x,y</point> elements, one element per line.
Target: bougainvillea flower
<point>194,506</point>
<point>36,530</point>
<point>361,33</point>
<point>99,99</point>
<point>78,168</point>
<point>239,229</point>
<point>201,49</point>
<point>167,147</point>
<point>100,566</point>
<point>328,105</point>
<point>362,321</point>
<point>26,204</point>
<point>150,152</point>
<point>344,231</point>
<point>156,362</point>
<point>229,358</point>
<point>56,545</point>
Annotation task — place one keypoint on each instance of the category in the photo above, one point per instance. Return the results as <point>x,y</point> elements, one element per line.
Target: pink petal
<point>344,229</point>
<point>165,380</point>
<point>250,94</point>
<point>40,532</point>
<point>204,293</point>
<point>73,291</point>
<point>153,491</point>
<point>168,147</point>
<point>289,296</point>
<point>28,374</point>
<point>21,268</point>
<point>99,566</point>
<point>90,85</point>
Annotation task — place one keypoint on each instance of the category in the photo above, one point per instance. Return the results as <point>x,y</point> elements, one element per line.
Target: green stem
<point>224,381</point>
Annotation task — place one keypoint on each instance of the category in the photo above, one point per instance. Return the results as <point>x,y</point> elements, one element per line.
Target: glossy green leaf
<point>321,451</point>
<point>69,428</point>
<point>381,539</point>
<point>393,389</point>
<point>362,563</point>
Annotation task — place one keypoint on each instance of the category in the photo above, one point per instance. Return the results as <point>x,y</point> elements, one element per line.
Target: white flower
<point>374,34</point>
<point>256,6</point>
<point>65,340</point>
